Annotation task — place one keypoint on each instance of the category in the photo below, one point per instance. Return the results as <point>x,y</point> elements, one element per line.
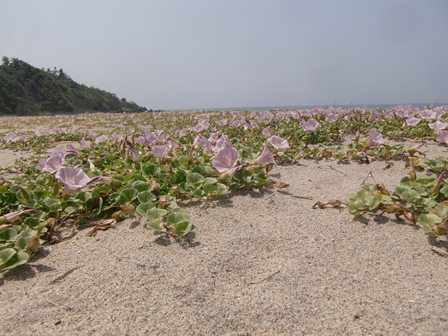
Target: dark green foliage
<point>26,90</point>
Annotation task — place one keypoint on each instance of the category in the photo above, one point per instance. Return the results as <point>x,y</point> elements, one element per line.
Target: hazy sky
<point>236,53</point>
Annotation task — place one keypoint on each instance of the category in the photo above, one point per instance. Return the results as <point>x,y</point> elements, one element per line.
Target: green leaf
<point>155,217</point>
<point>195,179</point>
<point>143,208</point>
<point>21,243</point>
<point>84,196</point>
<point>221,189</point>
<point>53,204</point>
<point>210,188</point>
<point>141,186</point>
<point>101,190</point>
<point>127,195</point>
<point>8,234</point>
<point>150,170</point>
<point>178,178</point>
<point>356,206</point>
<point>180,221</point>
<point>427,221</point>
<point>17,259</point>
<point>146,196</point>
<point>210,180</point>
<point>6,254</point>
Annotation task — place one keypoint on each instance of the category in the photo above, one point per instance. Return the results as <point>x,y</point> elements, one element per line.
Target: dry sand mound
<point>259,264</point>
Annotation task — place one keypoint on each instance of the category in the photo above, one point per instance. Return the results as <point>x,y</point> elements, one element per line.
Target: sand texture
<point>257,264</point>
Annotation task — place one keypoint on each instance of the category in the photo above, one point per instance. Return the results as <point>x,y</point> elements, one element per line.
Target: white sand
<point>259,264</point>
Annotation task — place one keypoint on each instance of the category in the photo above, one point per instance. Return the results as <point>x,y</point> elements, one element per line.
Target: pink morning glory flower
<point>412,121</point>
<point>375,138</point>
<point>443,137</point>
<point>51,164</point>
<point>265,156</point>
<point>310,125</point>
<point>72,178</point>
<point>226,159</point>
<point>278,142</point>
<point>160,150</point>
<point>266,132</point>
<point>438,125</point>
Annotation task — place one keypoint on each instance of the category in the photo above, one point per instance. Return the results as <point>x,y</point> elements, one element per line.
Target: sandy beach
<point>258,263</point>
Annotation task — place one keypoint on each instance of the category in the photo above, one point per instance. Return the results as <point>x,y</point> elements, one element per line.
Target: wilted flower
<point>265,156</point>
<point>375,138</point>
<point>310,125</point>
<point>278,143</point>
<point>225,160</point>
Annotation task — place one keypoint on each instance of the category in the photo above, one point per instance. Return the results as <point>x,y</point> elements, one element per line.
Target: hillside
<point>27,90</point>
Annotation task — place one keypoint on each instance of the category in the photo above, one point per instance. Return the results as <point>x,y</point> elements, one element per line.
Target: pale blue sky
<point>235,53</point>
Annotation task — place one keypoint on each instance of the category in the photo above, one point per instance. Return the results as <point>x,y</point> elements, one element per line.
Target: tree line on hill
<point>27,90</point>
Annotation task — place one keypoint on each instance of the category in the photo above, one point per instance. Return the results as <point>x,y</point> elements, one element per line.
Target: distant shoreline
<point>301,107</point>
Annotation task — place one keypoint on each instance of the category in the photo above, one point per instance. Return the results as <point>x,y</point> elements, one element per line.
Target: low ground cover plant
<point>150,164</point>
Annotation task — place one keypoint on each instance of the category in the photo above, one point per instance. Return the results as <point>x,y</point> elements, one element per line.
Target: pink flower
<point>428,114</point>
<point>51,164</point>
<point>278,143</point>
<point>266,132</point>
<point>332,117</point>
<point>213,138</point>
<point>225,160</point>
<point>202,141</point>
<point>438,125</point>
<point>140,141</point>
<point>150,137</point>
<point>73,179</point>
<point>221,142</point>
<point>10,137</point>
<point>412,121</point>
<point>172,145</point>
<point>443,137</point>
<point>160,150</point>
<point>375,138</point>
<point>84,143</point>
<point>265,156</point>
<point>101,138</point>
<point>310,125</point>
<point>222,122</point>
<point>201,126</point>
<point>183,132</point>
<point>91,134</point>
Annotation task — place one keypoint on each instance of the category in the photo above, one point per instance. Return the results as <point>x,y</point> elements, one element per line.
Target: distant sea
<point>304,107</point>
